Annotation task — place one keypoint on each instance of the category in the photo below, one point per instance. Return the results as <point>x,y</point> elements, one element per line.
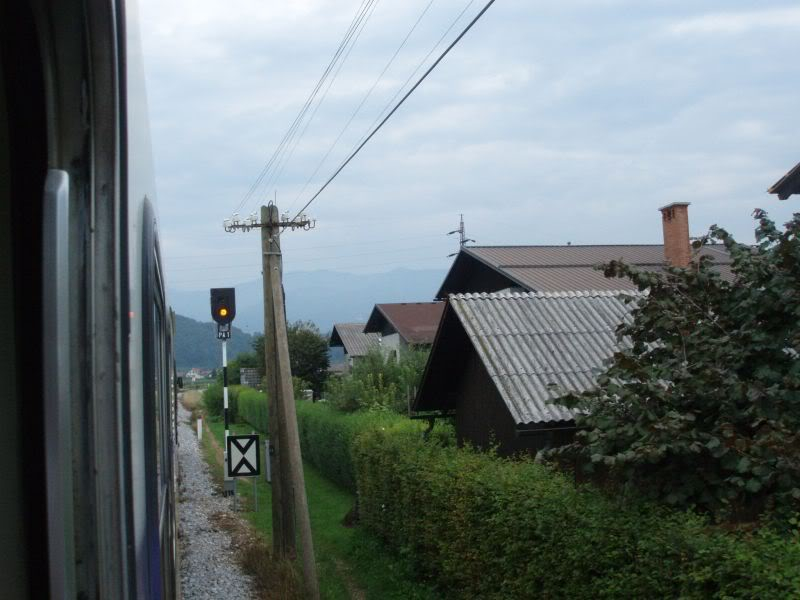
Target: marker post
<point>229,485</point>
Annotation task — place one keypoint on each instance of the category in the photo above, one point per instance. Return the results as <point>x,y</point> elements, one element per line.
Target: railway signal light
<point>223,305</point>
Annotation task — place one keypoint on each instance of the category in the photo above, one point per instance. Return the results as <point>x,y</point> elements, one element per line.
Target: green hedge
<point>327,436</point>
<point>484,527</point>
<point>213,401</point>
<point>253,408</point>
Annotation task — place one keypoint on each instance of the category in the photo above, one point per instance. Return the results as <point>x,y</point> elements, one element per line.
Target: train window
<point>161,396</point>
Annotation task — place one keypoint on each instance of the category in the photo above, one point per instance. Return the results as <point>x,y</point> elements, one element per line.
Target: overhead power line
<point>398,105</point>
<point>354,24</point>
<point>276,174</point>
<point>363,101</point>
<point>415,71</point>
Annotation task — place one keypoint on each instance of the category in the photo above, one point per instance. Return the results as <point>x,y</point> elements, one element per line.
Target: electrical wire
<point>276,174</point>
<point>361,104</point>
<point>397,106</point>
<point>415,71</point>
<point>303,111</point>
<point>357,18</point>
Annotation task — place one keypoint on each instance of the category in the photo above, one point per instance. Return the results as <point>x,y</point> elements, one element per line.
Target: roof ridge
<point>540,295</point>
<point>559,246</point>
<point>407,303</point>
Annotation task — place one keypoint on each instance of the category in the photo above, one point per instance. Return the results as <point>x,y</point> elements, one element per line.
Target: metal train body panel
<point>96,352</point>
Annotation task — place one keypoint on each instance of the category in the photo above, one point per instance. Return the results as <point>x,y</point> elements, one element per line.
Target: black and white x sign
<point>243,456</point>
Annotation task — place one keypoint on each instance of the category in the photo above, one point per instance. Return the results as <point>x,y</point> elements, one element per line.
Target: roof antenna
<point>462,236</point>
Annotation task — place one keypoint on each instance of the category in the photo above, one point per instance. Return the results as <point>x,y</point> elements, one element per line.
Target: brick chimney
<point>675,219</point>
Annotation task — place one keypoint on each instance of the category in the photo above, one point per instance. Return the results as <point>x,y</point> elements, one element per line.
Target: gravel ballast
<point>208,564</point>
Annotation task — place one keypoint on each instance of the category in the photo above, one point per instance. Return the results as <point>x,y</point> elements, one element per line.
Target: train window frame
<point>155,401</point>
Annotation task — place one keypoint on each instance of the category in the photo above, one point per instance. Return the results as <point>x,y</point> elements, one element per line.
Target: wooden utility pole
<point>283,534</point>
<point>285,416</point>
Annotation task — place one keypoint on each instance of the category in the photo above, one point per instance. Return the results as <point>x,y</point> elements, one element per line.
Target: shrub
<point>213,401</point>
<point>701,407</point>
<point>378,382</point>
<point>253,408</point>
<point>327,435</point>
<point>485,527</point>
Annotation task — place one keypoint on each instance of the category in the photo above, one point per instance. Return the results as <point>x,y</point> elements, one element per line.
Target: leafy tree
<point>702,405</point>
<point>244,360</point>
<point>308,354</point>
<point>377,382</point>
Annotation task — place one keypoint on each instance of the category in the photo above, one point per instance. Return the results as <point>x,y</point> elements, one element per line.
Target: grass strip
<point>351,563</point>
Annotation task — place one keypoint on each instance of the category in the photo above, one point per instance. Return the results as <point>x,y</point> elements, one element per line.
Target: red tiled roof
<point>416,322</point>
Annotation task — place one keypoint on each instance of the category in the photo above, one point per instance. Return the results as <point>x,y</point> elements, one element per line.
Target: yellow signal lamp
<point>223,305</point>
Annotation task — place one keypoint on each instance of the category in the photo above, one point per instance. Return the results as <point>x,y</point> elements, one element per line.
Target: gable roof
<point>788,184</point>
<point>352,338</point>
<point>526,341</point>
<point>416,322</point>
<point>554,268</point>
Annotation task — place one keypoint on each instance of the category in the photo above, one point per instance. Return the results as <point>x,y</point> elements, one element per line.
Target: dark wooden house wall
<point>473,276</point>
<point>482,417</point>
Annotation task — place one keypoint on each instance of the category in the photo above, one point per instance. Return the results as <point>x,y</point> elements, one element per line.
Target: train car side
<point>88,434</point>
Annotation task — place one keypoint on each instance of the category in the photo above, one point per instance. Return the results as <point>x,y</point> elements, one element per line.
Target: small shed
<point>405,324</point>
<point>496,357</point>
<point>249,376</point>
<point>351,337</point>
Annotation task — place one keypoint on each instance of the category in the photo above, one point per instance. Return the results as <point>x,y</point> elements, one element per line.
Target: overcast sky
<point>548,123</point>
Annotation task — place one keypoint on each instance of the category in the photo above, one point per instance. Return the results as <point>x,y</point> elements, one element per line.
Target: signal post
<point>223,311</point>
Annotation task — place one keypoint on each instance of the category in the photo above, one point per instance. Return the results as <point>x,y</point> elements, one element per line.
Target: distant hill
<point>323,297</point>
<point>196,344</point>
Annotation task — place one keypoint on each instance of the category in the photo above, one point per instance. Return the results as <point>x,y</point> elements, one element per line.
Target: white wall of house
<point>392,344</point>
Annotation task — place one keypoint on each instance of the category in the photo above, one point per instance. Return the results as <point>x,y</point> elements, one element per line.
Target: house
<point>356,343</point>
<point>518,318</point>
<point>572,267</point>
<point>404,325</point>
<point>196,373</point>
<point>496,358</point>
<point>788,184</point>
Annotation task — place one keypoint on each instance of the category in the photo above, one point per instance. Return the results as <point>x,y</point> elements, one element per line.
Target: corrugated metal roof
<point>416,322</point>
<point>352,337</point>
<point>581,256</point>
<point>558,268</point>
<point>567,256</point>
<point>530,340</point>
<point>549,279</point>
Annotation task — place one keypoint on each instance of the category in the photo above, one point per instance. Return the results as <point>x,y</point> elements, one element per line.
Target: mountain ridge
<point>323,297</point>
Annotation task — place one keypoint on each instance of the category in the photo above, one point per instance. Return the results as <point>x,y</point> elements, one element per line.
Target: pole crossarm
<point>251,222</point>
